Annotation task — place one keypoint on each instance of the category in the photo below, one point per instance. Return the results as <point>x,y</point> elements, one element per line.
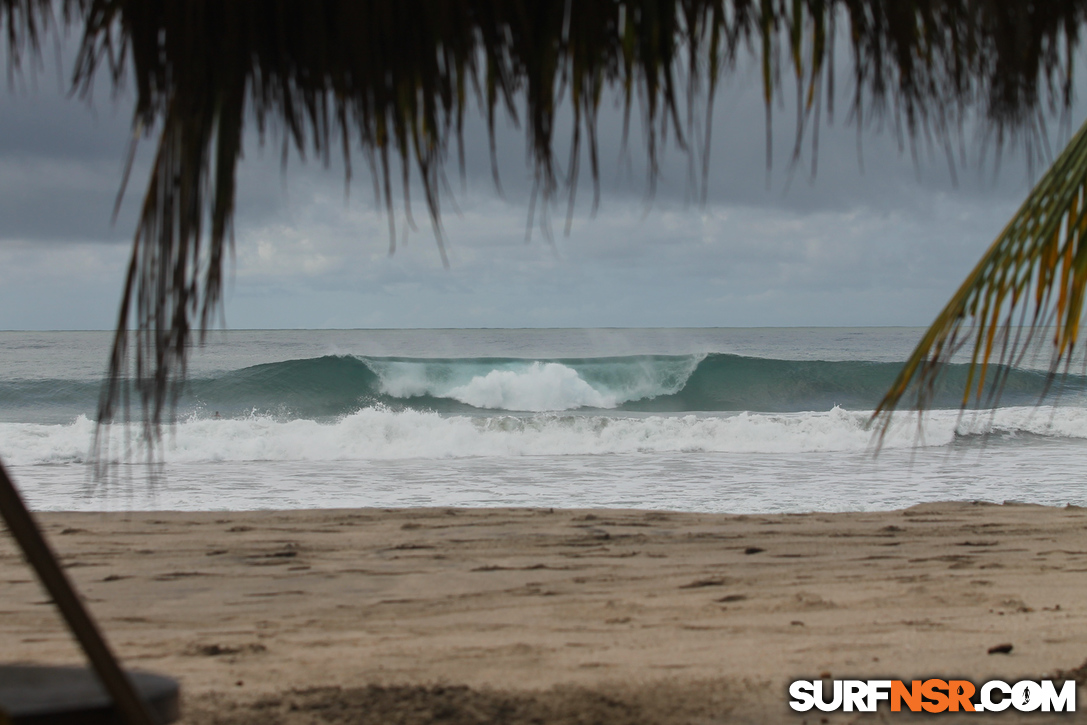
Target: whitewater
<point>707,420</point>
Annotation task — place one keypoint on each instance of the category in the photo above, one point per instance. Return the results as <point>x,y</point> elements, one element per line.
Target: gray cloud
<point>885,246</point>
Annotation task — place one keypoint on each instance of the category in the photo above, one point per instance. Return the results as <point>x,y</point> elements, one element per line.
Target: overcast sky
<point>882,246</point>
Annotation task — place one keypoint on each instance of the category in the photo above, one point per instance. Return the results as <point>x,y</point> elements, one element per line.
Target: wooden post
<point>37,552</point>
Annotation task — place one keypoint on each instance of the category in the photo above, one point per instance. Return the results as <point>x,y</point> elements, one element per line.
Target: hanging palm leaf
<point>1029,283</point>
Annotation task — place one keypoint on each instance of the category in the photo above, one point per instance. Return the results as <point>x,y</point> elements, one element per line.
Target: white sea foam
<point>539,387</point>
<point>535,386</point>
<point>382,434</point>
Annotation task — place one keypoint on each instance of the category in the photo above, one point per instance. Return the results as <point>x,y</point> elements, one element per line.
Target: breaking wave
<point>379,433</point>
<point>330,387</point>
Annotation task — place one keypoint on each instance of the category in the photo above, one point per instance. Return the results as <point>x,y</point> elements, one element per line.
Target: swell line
<point>333,386</point>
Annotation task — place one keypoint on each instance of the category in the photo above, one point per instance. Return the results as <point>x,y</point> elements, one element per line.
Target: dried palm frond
<point>24,22</point>
<point>397,79</point>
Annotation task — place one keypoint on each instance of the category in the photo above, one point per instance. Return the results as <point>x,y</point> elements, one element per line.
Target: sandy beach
<point>527,615</point>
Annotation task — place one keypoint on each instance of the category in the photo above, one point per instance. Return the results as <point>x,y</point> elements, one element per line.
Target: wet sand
<point>499,615</point>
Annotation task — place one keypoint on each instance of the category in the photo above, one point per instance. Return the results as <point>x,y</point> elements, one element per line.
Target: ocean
<point>713,420</point>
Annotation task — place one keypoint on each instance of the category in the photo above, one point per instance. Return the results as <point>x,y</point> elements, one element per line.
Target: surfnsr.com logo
<point>932,695</point>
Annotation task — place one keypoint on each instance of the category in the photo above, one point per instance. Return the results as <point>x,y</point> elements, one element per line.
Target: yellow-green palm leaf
<point>1029,285</point>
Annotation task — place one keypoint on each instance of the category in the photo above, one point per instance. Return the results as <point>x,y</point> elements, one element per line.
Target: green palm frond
<point>1029,283</point>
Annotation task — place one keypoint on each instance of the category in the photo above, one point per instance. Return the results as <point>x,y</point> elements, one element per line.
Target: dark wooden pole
<point>37,552</point>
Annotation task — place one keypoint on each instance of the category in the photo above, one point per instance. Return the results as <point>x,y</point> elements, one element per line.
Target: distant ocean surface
<point>731,420</point>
